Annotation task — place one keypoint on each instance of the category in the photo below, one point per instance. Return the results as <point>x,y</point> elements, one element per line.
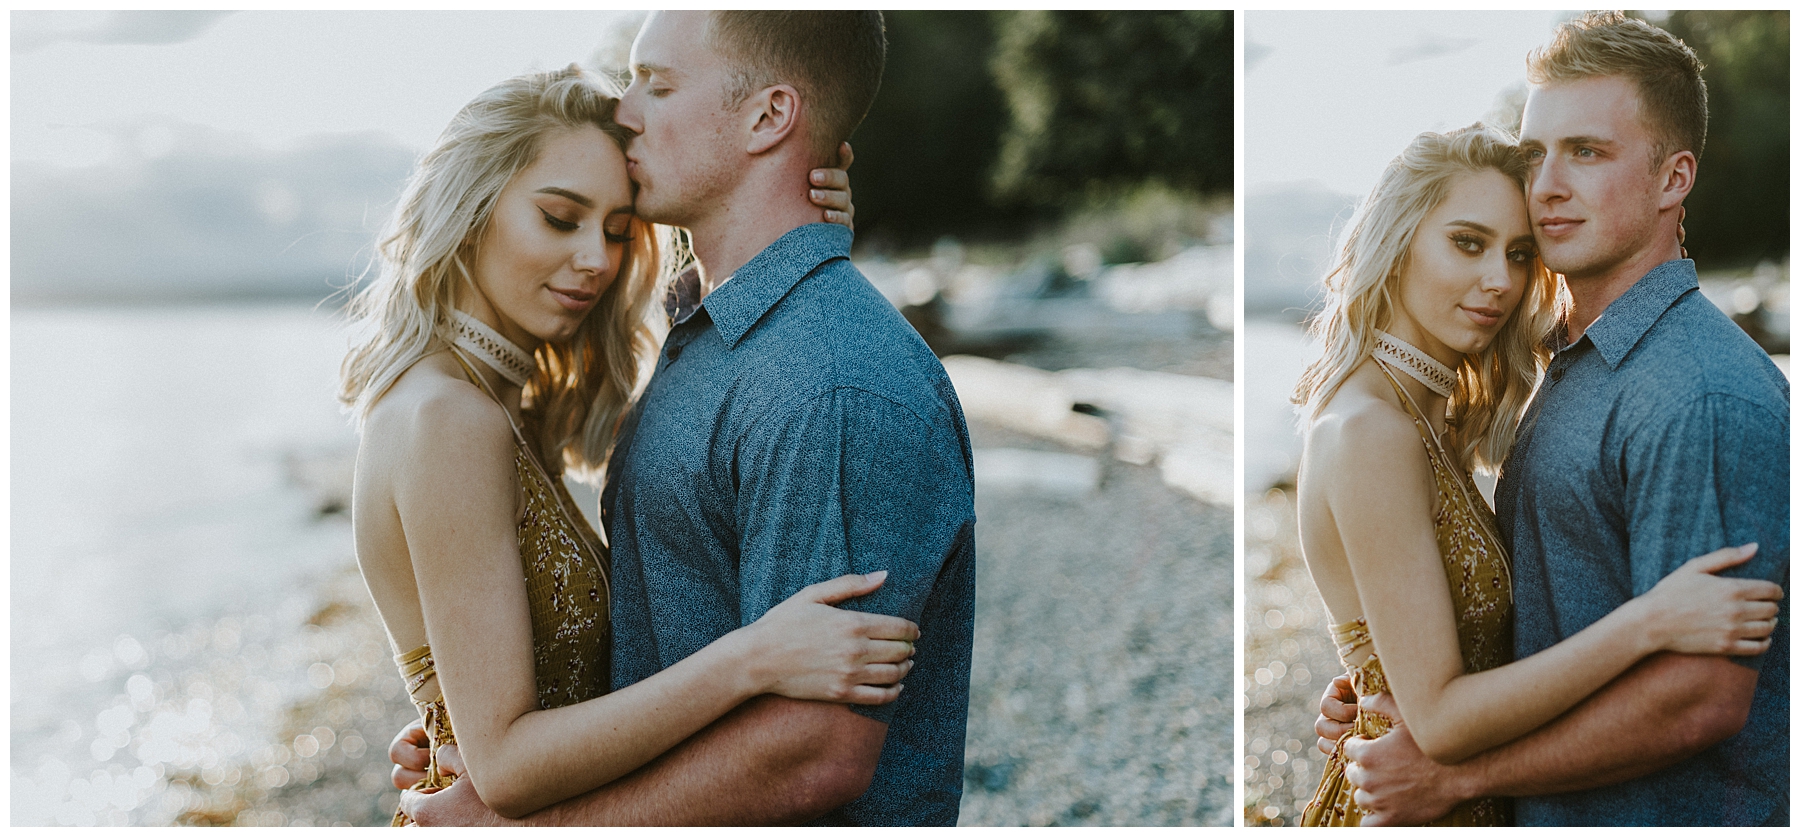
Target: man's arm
<point>772,761</point>
<point>1667,708</point>
<point>1664,710</point>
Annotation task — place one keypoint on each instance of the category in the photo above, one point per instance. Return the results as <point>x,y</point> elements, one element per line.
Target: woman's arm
<point>458,498</point>
<point>1381,492</point>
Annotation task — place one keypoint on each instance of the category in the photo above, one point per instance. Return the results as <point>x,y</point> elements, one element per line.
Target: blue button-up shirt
<point>797,429</point>
<point>1660,435</point>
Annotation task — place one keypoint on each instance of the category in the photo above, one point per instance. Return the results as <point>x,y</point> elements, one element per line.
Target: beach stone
<point>1100,688</point>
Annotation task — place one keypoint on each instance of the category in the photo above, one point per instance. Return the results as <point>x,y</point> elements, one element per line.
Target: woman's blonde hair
<point>1492,386</point>
<point>581,388</point>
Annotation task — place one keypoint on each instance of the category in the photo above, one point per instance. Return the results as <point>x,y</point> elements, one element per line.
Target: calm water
<point>151,494</point>
<point>1275,355</point>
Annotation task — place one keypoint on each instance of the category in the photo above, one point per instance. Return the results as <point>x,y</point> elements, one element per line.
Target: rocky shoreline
<point>1101,691</point>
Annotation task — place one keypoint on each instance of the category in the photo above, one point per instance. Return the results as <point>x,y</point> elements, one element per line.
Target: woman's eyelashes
<point>1476,245</point>
<point>559,223</point>
<point>617,231</point>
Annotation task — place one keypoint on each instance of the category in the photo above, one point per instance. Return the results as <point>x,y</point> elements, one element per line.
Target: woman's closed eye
<point>618,229</point>
<point>559,223</point>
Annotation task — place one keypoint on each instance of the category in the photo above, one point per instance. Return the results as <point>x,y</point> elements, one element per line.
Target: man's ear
<point>774,114</point>
<point>1677,179</point>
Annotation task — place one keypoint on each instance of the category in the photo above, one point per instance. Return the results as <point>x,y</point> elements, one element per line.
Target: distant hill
<point>1289,230</point>
<point>209,218</point>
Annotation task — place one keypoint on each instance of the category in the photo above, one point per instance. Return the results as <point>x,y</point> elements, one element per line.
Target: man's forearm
<point>772,761</point>
<point>1665,709</point>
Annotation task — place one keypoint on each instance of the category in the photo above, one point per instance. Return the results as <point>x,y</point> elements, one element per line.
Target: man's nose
<point>628,114</point>
<point>1548,183</point>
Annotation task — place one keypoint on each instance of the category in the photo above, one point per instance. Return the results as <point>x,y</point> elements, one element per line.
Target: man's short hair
<point>1671,93</point>
<point>833,58</point>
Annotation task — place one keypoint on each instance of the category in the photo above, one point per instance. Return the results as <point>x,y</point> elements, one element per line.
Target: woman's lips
<point>1484,317</point>
<point>574,299</point>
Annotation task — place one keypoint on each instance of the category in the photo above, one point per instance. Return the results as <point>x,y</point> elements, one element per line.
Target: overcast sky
<point>88,87</point>
<point>253,152</point>
<point>1333,96</point>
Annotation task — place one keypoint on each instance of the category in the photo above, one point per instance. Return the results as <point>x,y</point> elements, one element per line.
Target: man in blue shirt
<point>796,429</point>
<point>1659,433</point>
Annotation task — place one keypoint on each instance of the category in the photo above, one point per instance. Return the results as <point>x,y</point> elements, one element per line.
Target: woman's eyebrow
<point>574,196</point>
<point>1478,227</point>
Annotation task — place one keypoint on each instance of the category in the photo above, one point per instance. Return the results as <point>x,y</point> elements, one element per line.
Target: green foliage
<point>1088,106</point>
<point>1738,211</point>
<point>925,150</point>
<point>1103,99</point>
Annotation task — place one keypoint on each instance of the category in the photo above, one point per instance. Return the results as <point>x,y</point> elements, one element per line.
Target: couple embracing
<point>1526,306</point>
<point>777,627</point>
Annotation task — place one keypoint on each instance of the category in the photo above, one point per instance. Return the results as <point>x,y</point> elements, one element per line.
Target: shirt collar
<point>737,305</point>
<point>1625,321</point>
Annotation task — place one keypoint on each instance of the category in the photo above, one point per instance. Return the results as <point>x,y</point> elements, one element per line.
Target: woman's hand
<point>1694,611</point>
<point>806,649</point>
<point>831,190</point>
<point>411,754</point>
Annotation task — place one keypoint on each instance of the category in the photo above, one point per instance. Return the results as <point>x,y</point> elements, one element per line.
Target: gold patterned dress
<point>1475,563</point>
<point>567,584</point>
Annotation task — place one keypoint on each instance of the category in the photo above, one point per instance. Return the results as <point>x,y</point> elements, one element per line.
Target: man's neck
<point>1589,295</point>
<point>765,207</point>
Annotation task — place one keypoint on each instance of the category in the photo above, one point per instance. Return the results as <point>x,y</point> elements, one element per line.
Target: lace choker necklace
<point>1417,365</point>
<point>473,336</point>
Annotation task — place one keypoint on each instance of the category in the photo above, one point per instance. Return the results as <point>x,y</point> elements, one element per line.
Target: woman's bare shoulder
<point>1359,422</point>
<point>433,399</point>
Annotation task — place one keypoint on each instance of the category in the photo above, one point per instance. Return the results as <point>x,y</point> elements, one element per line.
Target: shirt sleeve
<point>1713,474</point>
<point>850,482</point>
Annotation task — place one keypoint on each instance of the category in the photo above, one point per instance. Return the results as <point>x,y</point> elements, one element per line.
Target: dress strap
<point>469,369</point>
<point>1366,676</point>
<point>1457,477</point>
<point>551,483</point>
<point>1412,407</point>
<point>417,668</point>
<point>1351,635</point>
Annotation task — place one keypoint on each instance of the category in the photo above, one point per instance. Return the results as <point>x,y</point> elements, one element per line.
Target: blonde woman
<point>1433,334</point>
<point>504,339</point>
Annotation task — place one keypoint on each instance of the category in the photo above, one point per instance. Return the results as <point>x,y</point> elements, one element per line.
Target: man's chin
<point>1569,258</point>
<point>654,211</point>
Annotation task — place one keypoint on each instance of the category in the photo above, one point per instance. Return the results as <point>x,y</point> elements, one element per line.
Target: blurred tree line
<point>1738,211</point>
<point>990,122</point>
